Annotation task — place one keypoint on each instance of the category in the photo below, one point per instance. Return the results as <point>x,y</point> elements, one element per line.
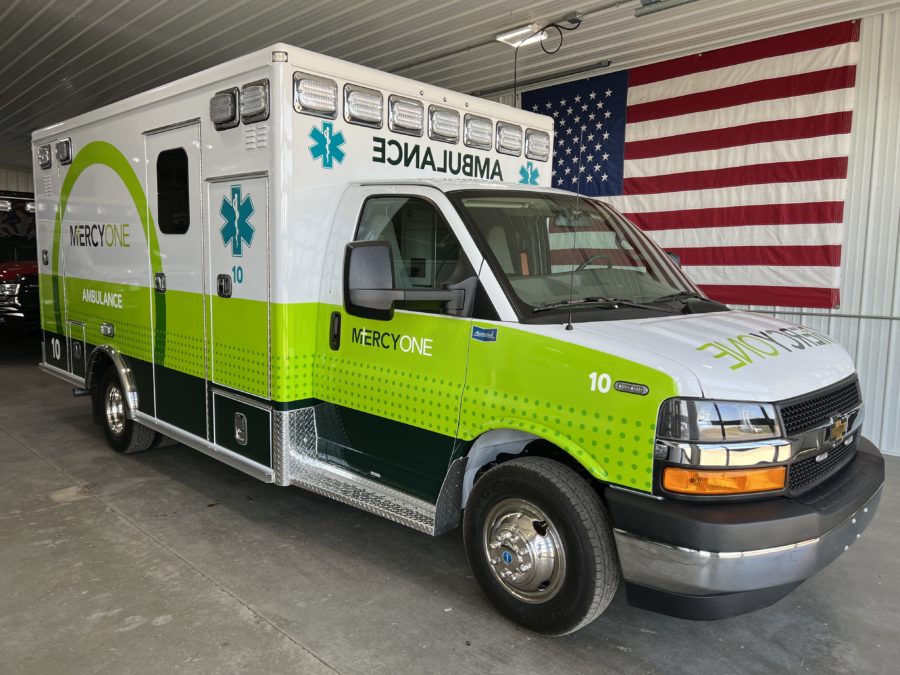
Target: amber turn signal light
<point>722,482</point>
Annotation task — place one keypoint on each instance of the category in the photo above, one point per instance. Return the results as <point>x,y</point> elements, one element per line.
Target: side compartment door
<point>238,306</point>
<point>175,198</point>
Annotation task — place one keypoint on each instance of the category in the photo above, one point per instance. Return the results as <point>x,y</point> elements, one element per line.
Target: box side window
<point>172,197</point>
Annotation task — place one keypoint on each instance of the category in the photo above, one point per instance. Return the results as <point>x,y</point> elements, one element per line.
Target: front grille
<point>817,409</point>
<point>808,472</point>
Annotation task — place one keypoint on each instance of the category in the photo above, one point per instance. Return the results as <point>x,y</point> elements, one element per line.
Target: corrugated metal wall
<point>868,321</point>
<point>17,181</point>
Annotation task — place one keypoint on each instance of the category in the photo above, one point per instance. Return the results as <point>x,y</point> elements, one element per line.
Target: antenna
<point>573,225</point>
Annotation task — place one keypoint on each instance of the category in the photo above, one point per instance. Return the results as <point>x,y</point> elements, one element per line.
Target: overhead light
<point>651,6</point>
<point>526,35</point>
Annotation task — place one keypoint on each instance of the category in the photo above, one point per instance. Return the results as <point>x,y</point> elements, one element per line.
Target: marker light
<point>722,482</point>
<point>477,132</point>
<point>45,157</point>
<point>363,106</point>
<point>279,57</point>
<point>64,151</point>
<point>509,138</point>
<point>443,124</point>
<point>537,145</point>
<point>254,101</point>
<point>315,95</point>
<point>223,109</point>
<point>406,115</point>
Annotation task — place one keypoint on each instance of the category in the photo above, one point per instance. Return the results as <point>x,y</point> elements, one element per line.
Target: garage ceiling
<point>59,58</point>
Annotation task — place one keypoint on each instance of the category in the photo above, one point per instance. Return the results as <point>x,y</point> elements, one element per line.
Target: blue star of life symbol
<point>529,174</point>
<point>327,145</point>
<point>237,229</point>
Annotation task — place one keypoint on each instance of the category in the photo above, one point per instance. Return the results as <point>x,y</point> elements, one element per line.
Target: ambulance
<point>347,281</point>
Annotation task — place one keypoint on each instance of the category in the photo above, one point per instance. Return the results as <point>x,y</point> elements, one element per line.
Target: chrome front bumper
<point>688,571</point>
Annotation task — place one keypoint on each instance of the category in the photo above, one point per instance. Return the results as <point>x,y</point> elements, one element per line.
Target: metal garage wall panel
<point>17,181</point>
<point>868,321</point>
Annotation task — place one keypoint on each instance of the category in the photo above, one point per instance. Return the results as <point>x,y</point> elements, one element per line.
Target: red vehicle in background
<point>19,308</point>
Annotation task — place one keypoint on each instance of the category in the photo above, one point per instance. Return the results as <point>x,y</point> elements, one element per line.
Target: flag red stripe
<point>744,134</point>
<point>802,256</point>
<point>733,216</point>
<point>753,174</point>
<point>801,41</point>
<point>604,256</point>
<point>778,296</point>
<point>816,82</point>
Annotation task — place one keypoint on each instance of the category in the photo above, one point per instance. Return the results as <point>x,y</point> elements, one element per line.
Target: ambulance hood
<point>732,355</point>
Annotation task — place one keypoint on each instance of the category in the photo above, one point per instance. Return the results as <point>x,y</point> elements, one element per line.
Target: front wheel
<point>540,545</point>
<point>122,434</point>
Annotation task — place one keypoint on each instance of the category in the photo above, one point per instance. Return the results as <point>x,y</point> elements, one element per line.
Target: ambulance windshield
<point>555,251</point>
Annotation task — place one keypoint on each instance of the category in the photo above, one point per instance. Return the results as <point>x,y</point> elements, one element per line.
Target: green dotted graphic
<point>543,386</point>
<point>240,350</point>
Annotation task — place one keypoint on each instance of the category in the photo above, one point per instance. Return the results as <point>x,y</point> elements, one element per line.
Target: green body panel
<point>541,385</point>
<point>240,356</point>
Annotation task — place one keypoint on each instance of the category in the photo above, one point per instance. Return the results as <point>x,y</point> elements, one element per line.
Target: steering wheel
<point>596,256</point>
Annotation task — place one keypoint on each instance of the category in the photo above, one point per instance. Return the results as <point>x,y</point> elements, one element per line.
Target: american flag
<point>735,159</point>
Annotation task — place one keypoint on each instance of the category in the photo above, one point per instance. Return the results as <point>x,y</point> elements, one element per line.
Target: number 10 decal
<point>600,382</point>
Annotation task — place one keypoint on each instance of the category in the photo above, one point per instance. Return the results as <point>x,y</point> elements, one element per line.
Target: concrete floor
<point>168,561</point>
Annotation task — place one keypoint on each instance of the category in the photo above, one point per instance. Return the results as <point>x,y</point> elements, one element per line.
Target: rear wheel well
<point>98,367</point>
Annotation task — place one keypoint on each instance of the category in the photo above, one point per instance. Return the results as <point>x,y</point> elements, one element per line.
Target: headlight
<point>703,421</point>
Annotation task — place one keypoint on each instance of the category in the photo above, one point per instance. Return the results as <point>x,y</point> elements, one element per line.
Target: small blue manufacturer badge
<point>484,334</point>
<point>507,557</point>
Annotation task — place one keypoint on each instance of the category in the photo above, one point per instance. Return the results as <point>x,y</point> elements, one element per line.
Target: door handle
<point>334,331</point>
<point>223,285</point>
<point>159,279</point>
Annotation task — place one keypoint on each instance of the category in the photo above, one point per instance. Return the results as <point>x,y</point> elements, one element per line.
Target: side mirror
<point>369,289</point>
<point>674,257</point>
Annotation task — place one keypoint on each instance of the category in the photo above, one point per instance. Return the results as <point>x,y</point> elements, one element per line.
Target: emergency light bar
<point>255,101</point>
<point>45,157</point>
<point>363,106</point>
<point>64,151</point>
<point>223,109</point>
<point>405,116</point>
<point>443,124</point>
<point>537,145</point>
<point>509,138</point>
<point>477,132</point>
<point>315,95</point>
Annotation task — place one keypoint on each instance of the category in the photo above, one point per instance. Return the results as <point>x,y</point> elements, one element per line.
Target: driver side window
<point>426,252</point>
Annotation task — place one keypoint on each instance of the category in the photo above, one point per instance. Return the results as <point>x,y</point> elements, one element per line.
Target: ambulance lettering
<point>396,153</point>
<point>407,344</point>
<point>98,297</point>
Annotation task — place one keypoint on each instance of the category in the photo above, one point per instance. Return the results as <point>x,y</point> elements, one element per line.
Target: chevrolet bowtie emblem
<point>837,429</point>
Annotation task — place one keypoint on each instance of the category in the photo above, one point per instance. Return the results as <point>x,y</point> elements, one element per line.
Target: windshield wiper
<point>680,295</point>
<point>597,302</point>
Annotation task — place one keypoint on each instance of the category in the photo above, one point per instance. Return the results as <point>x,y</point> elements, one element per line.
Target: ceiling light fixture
<point>524,35</point>
<point>651,6</point>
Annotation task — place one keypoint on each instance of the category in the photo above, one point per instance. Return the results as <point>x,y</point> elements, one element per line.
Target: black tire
<point>122,434</point>
<point>583,580</point>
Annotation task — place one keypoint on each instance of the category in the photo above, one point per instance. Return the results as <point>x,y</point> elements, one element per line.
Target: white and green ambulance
<point>335,278</point>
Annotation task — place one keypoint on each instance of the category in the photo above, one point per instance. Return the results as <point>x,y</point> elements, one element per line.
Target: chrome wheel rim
<point>115,409</point>
<point>524,551</point>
